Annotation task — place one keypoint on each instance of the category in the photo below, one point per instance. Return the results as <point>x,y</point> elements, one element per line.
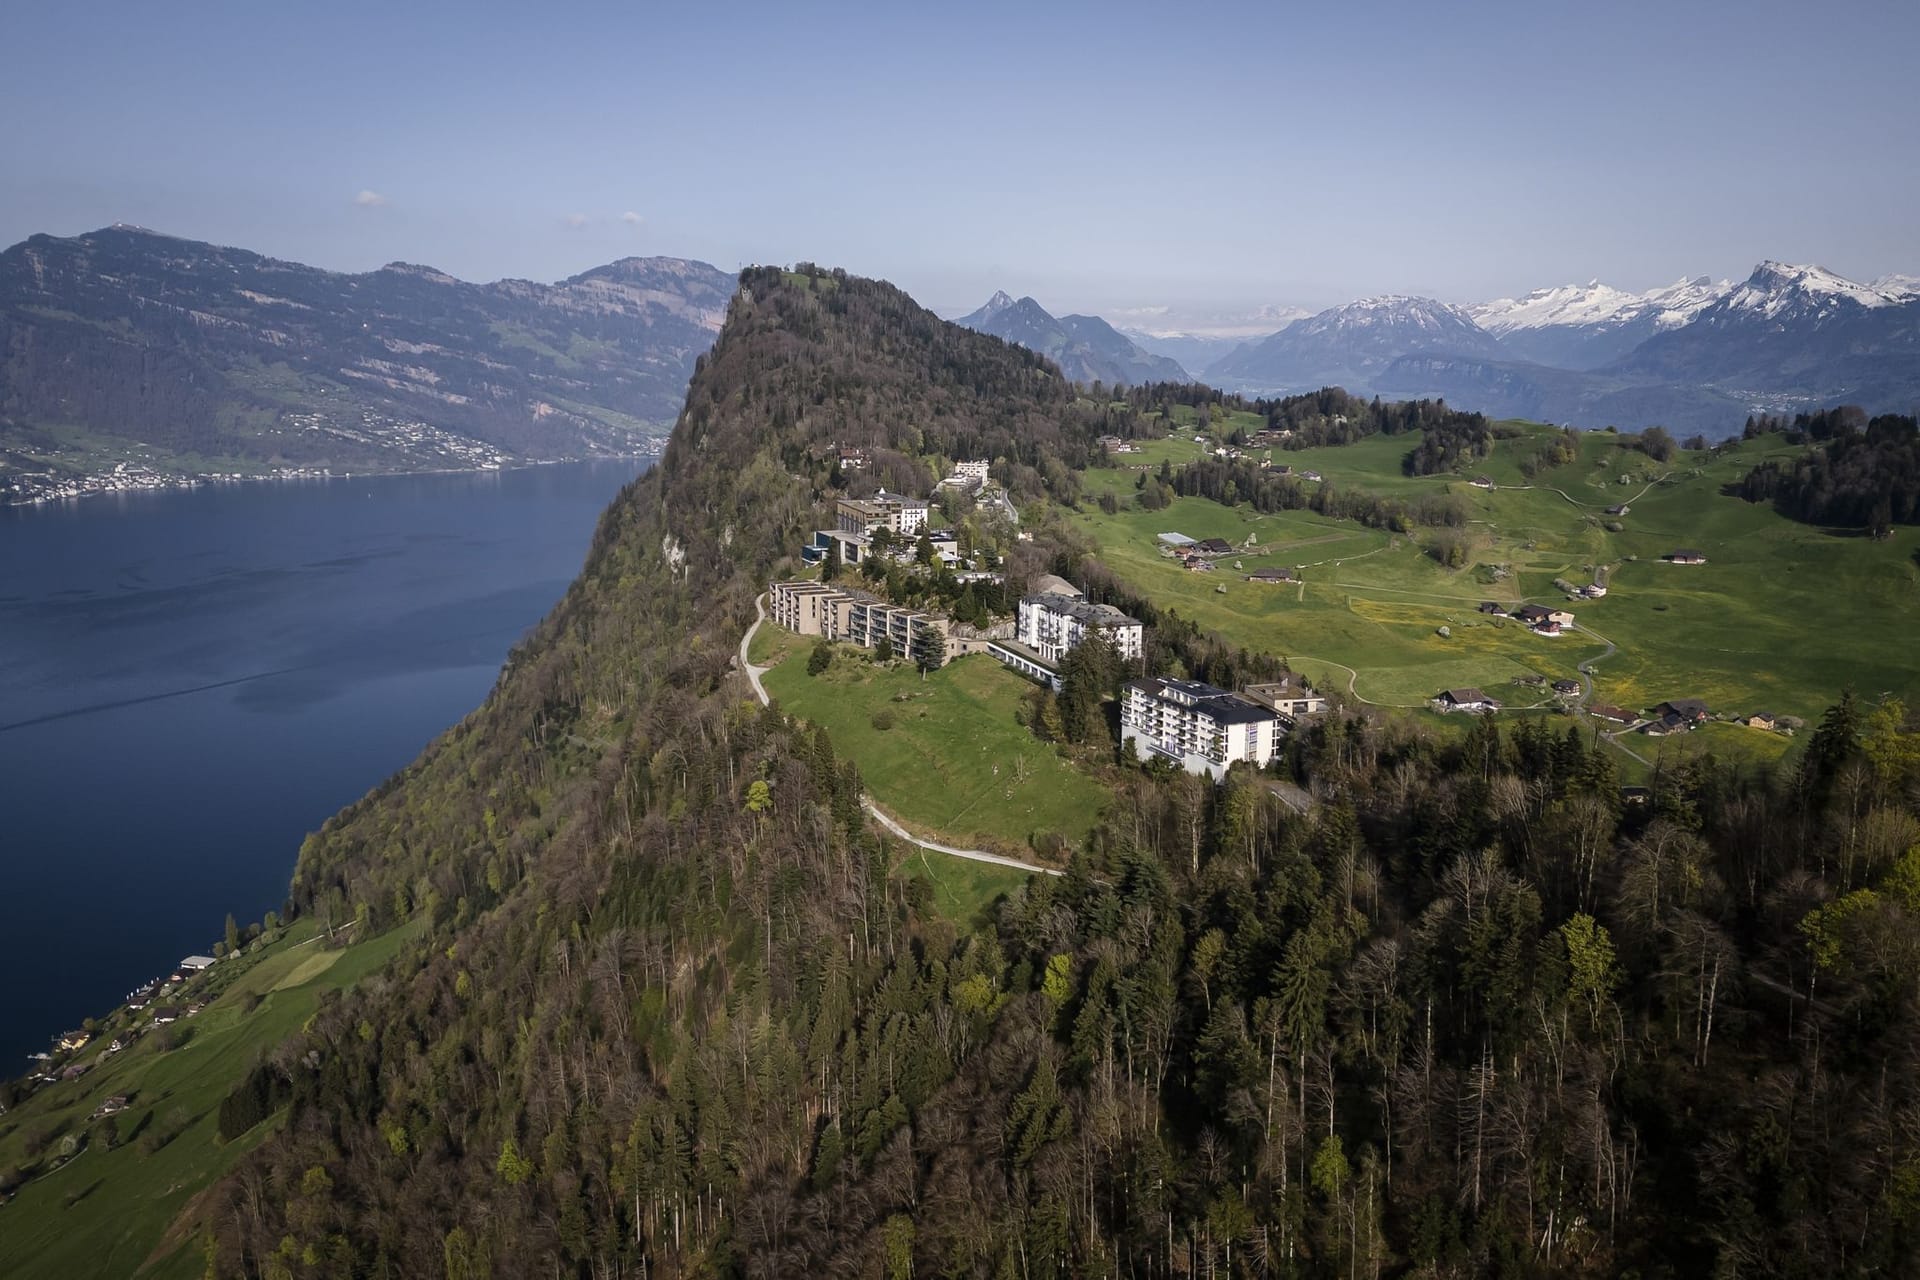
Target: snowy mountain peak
<point>1777,288</point>
<point>1899,286</point>
<point>1597,304</point>
<point>1393,310</point>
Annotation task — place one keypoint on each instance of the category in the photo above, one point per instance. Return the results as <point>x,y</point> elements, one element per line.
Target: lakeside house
<point>1686,557</point>
<point>1471,700</point>
<point>194,964</point>
<point>1200,727</point>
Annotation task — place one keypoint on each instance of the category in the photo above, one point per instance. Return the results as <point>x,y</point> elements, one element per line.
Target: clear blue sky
<point>1094,156</point>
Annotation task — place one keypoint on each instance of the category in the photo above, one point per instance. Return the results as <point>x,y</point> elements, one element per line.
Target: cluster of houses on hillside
<point>1675,715</point>
<point>1202,555</point>
<point>1539,618</point>
<point>890,526</point>
<point>1115,444</point>
<point>1201,728</point>
<point>139,1003</point>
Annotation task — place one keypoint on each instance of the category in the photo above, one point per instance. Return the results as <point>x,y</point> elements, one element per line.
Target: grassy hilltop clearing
<point>1780,617</point>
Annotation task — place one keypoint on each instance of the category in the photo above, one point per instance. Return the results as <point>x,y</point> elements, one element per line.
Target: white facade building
<point>1052,622</point>
<point>1201,728</point>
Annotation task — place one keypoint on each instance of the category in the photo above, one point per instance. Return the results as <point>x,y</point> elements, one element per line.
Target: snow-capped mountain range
<point>1697,354</point>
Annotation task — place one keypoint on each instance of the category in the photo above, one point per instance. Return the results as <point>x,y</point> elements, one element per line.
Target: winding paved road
<point>880,815</point>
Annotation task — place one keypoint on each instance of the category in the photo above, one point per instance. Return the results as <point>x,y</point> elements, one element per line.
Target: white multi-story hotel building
<point>1052,622</point>
<point>864,516</point>
<point>1201,728</point>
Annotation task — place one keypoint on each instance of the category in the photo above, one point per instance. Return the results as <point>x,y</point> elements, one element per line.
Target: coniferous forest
<point>1477,1012</point>
<point>1857,472</point>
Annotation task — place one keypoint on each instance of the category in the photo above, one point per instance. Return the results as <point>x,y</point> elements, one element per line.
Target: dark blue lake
<point>192,681</point>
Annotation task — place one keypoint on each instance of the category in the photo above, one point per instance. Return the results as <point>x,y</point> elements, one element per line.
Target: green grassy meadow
<point>1781,618</point>
<point>107,1212</point>
<point>955,764</point>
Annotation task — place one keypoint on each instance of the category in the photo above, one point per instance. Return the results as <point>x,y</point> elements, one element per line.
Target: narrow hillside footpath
<point>885,819</point>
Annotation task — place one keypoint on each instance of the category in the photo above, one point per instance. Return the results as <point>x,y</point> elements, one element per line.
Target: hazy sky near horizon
<point>1099,157</point>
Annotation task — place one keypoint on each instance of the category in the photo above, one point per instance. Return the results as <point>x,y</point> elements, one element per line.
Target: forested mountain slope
<point>139,345</point>
<point>675,1016</point>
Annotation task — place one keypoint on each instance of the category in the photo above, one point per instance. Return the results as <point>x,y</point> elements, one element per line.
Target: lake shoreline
<point>195,679</point>
<point>147,482</point>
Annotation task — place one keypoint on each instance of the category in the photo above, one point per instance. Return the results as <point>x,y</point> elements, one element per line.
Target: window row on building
<point>855,617</point>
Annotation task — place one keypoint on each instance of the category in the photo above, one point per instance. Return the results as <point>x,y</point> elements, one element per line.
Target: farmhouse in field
<point>1566,688</point>
<point>1691,710</point>
<point>1214,546</point>
<point>1201,728</point>
<point>1662,725</point>
<point>1174,543</point>
<point>1273,576</point>
<point>1762,720</point>
<point>1493,608</point>
<point>1464,700</point>
<point>1539,616</point>
<point>1606,711</point>
<point>1686,557</point>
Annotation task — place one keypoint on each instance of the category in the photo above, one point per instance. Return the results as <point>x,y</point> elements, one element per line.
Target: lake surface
<point>191,681</point>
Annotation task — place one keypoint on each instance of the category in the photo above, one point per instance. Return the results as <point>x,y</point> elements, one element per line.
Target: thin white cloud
<point>631,218</point>
<point>371,200</point>
<point>577,219</point>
